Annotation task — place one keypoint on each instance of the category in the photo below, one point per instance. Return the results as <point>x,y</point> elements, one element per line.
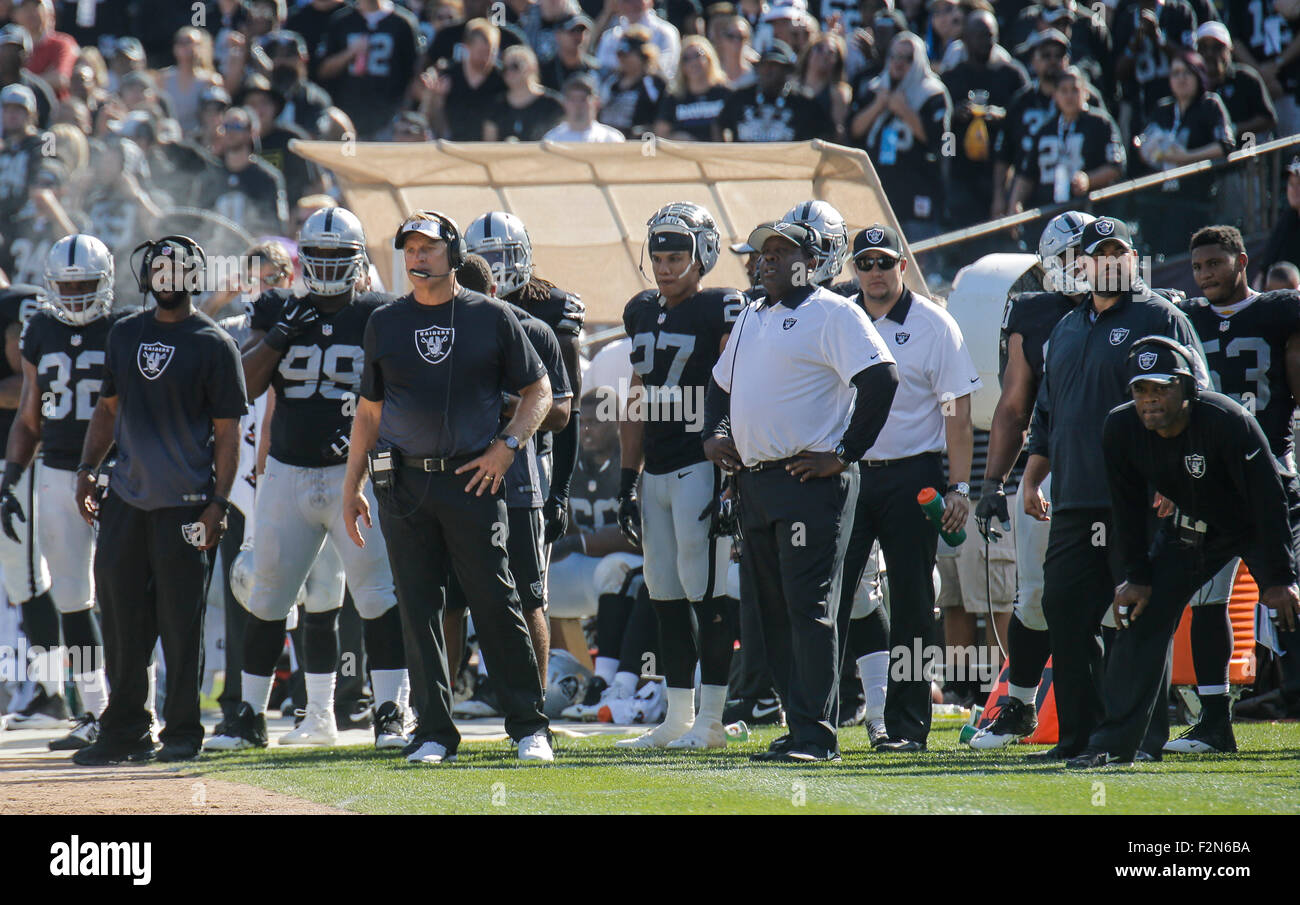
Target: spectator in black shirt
<point>1242,90</point>
<point>697,95</point>
<point>372,55</point>
<point>630,96</point>
<point>304,100</point>
<point>449,43</point>
<point>15,48</point>
<point>1147,34</point>
<point>527,111</point>
<point>571,57</point>
<point>821,78</point>
<point>772,110</point>
<point>901,120</point>
<point>1086,34</point>
<point>247,189</point>
<point>461,99</point>
<point>267,103</point>
<point>1189,126</point>
<point>1264,38</point>
<point>311,21</point>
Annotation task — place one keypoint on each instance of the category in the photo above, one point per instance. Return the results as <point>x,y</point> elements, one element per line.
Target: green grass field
<point>592,777</point>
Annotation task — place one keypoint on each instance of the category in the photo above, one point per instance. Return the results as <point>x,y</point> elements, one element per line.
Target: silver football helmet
<point>692,220</point>
<point>1058,251</point>
<point>332,249</point>
<point>79,279</point>
<point>501,239</point>
<point>241,579</point>
<point>833,250</point>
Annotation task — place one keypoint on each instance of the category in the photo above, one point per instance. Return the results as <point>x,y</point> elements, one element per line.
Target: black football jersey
<point>318,379</point>
<point>1246,354</point>
<point>565,313</point>
<point>1059,149</point>
<point>593,494</point>
<point>373,89</point>
<point>1032,315</point>
<point>69,364</point>
<point>673,352</point>
<point>17,304</point>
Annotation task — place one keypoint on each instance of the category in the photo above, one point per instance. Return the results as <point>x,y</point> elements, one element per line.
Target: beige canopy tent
<point>586,205</point>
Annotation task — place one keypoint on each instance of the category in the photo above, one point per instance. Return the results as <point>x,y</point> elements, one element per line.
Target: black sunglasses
<point>866,265</point>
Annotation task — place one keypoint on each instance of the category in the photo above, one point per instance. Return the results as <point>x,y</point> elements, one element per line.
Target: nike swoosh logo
<point>760,712</point>
<point>874,357</point>
<point>1252,455</point>
<point>974,380</point>
<point>683,474</point>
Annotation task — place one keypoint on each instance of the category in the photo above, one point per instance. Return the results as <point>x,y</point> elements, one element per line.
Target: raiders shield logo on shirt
<point>153,358</point>
<point>434,343</point>
<point>1118,335</point>
<point>1195,465</point>
<point>900,337</point>
<point>789,322</point>
<point>1146,360</point>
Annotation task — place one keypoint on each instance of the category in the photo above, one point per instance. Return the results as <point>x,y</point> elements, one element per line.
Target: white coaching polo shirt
<point>789,373</point>
<point>934,366</point>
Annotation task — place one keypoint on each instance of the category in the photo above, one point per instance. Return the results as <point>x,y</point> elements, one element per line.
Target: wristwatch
<point>511,442</point>
<point>961,489</point>
<point>842,455</point>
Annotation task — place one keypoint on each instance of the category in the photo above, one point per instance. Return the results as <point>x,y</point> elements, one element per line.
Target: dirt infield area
<point>44,785</point>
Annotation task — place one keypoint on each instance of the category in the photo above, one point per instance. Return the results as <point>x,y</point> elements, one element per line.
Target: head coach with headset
<point>437,362</point>
<point>1207,455</point>
<point>171,399</point>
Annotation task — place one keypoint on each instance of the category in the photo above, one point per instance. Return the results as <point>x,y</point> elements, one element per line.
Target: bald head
<point>979,34</point>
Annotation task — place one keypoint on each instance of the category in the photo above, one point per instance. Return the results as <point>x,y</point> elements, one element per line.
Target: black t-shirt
<point>694,114</point>
<point>19,163</point>
<point>1029,109</point>
<point>1150,80</point>
<point>1091,141</point>
<point>564,312</point>
<point>1244,95</point>
<point>373,93</point>
<point>317,379</point>
<point>439,371</point>
<point>631,108</point>
<point>1206,121</point>
<point>909,166</point>
<point>313,25</point>
<point>1032,315</point>
<point>69,365</point>
<point>1002,81</point>
<point>468,107</point>
<point>447,49</point>
<point>172,381</point>
<point>255,197</point>
<point>17,304</point>
<point>554,73</point>
<point>593,495</point>
<point>304,105</point>
<point>1246,355</point>
<point>524,480</point>
<point>296,171</point>
<point>673,352</point>
<point>752,116</point>
<point>1265,33</point>
<point>529,123</point>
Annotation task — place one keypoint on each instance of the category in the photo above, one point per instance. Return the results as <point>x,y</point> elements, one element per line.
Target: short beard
<point>171,302</point>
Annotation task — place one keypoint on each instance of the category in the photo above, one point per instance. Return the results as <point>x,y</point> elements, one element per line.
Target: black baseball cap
<point>578,21</point>
<point>282,39</point>
<point>1046,36</point>
<point>794,233</point>
<point>779,52</point>
<point>1156,362</point>
<point>878,237</point>
<point>1102,229</point>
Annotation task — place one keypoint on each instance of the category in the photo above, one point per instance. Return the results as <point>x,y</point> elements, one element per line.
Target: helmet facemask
<point>329,270</point>
<point>511,263</point>
<point>81,300</point>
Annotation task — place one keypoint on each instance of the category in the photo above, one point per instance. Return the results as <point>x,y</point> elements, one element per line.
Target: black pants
<point>151,584</point>
<point>887,511</point>
<point>1080,573</point>
<point>434,528</point>
<point>751,675</point>
<point>236,618</point>
<point>795,535</point>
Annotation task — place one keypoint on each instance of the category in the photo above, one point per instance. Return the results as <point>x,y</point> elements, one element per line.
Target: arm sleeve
<point>1271,554</point>
<point>717,410</point>
<point>1128,496</point>
<point>1040,424</point>
<point>28,341</point>
<point>108,384</point>
<point>372,376</point>
<point>726,361</point>
<point>548,349</point>
<point>520,364</point>
<point>876,386</point>
<point>227,395</point>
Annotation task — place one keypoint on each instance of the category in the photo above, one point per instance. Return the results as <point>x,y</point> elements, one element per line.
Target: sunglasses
<point>866,265</point>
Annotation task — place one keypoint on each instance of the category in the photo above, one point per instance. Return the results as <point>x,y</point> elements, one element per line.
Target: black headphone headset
<point>457,251</point>
<point>811,246</point>
<point>1190,387</point>
<point>195,259</point>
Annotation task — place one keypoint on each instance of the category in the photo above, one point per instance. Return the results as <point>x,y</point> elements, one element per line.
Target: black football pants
<point>151,584</point>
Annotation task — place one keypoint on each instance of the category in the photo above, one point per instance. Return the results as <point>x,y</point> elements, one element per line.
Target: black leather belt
<point>438,465</point>
<point>773,463</point>
<point>885,463</point>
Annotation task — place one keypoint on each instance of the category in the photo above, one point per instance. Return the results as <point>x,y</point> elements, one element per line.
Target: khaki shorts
<point>964,583</point>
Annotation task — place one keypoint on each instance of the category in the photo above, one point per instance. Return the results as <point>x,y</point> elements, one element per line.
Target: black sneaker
<point>355,715</point>
<point>857,718</point>
<point>481,706</point>
<point>877,734</point>
<point>1095,758</point>
<point>1016,720</point>
<point>175,751</point>
<point>754,711</point>
<point>1203,739</point>
<point>390,727</point>
<point>804,754</point>
<point>44,711</point>
<point>1053,753</point>
<point>244,730</point>
<point>104,753</point>
<point>901,746</point>
<point>82,736</point>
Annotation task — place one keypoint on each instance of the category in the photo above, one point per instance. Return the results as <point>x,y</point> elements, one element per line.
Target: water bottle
<point>933,505</point>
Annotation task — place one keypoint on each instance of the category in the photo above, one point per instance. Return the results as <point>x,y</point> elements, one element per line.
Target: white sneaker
<point>317,728</point>
<point>702,735</point>
<point>590,713</point>
<point>658,737</point>
<point>650,703</point>
<point>430,753</point>
<point>536,748</point>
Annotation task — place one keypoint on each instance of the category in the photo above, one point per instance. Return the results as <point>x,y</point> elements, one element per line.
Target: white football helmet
<point>692,220</point>
<point>332,249</point>
<point>833,250</point>
<point>1058,252</point>
<point>79,279</point>
<point>501,239</point>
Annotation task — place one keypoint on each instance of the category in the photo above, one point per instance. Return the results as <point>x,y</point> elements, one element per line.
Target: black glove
<point>10,507</point>
<point>993,504</point>
<point>629,510</point>
<point>297,316</point>
<point>556,515</point>
<point>336,450</point>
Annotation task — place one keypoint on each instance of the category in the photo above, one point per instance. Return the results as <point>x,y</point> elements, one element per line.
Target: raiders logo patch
<point>153,358</point>
<point>1195,465</point>
<point>875,235</point>
<point>434,343</point>
<point>789,322</point>
<point>1105,227</point>
<point>1147,360</point>
<point>900,337</point>
<point>1118,335</point>
<point>537,588</point>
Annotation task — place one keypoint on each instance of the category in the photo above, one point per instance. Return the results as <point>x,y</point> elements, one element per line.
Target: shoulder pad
<point>572,312</point>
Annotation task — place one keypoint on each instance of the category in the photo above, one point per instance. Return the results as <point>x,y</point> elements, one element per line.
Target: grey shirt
<point>172,381</point>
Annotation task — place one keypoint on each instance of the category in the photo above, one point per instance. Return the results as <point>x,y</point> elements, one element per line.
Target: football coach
<point>801,391</point>
<point>436,364</point>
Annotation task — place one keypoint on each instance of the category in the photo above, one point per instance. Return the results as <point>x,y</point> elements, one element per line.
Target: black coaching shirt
<point>172,381</point>
<point>69,364</point>
<point>317,380</point>
<point>439,370</point>
<point>673,352</point>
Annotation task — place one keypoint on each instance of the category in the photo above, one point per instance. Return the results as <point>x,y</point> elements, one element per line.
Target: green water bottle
<point>932,503</point>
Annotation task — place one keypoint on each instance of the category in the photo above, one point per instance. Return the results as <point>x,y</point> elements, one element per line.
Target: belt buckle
<point>431,465</point>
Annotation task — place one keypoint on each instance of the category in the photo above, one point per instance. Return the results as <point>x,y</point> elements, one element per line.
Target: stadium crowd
<point>125,120</point>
